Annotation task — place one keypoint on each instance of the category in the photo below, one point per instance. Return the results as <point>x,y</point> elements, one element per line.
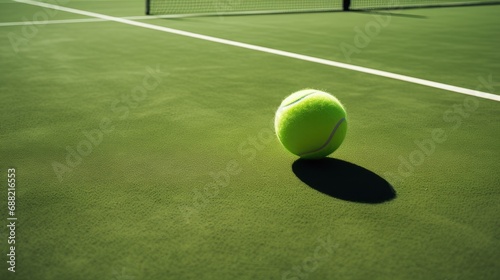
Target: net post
<point>346,4</point>
<point>148,10</point>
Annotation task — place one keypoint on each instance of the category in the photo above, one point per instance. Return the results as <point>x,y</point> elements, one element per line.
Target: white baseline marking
<point>442,86</point>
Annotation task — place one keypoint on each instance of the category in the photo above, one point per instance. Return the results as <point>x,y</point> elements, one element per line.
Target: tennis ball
<point>311,123</point>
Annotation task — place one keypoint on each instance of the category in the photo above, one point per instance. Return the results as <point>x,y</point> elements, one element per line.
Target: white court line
<point>60,21</point>
<point>390,75</point>
<point>80,20</point>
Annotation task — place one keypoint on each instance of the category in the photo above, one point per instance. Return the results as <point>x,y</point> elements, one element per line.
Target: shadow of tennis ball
<point>343,180</point>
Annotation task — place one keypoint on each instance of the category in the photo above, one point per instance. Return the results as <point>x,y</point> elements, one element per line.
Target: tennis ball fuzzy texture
<point>311,123</point>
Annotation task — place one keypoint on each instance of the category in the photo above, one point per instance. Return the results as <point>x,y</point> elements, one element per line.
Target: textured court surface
<point>141,154</point>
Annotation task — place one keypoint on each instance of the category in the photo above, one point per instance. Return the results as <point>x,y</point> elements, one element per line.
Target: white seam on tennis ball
<point>327,141</point>
<point>281,108</point>
<point>298,100</point>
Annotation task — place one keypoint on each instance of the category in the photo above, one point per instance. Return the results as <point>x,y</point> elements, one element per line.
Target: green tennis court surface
<point>143,154</point>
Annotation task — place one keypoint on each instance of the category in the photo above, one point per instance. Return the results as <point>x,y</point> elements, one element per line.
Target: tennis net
<point>224,7</point>
<point>400,4</point>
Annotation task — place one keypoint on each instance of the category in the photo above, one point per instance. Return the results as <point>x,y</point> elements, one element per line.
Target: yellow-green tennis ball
<point>311,123</point>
